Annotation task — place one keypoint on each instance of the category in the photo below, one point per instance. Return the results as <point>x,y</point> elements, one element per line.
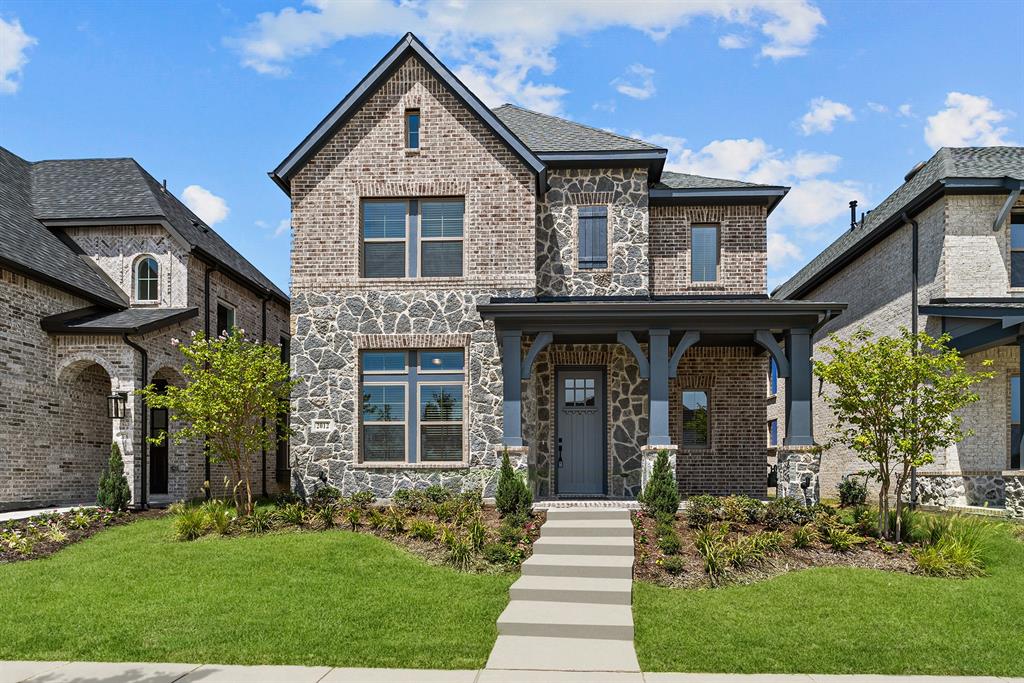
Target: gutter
<point>144,438</point>
<point>914,266</point>
<point>210,269</point>
<point>773,195</point>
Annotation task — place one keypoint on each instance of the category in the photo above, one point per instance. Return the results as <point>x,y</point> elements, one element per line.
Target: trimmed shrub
<point>670,544</point>
<point>741,509</point>
<point>498,553</point>
<point>702,511</point>
<point>781,511</point>
<point>674,565</point>
<point>363,499</point>
<point>512,495</point>
<point>851,492</point>
<point>325,494</point>
<point>114,492</point>
<point>436,493</point>
<point>661,494</point>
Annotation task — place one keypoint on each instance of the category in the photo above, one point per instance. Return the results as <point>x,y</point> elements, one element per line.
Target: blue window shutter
<point>704,253</point>
<point>593,237</point>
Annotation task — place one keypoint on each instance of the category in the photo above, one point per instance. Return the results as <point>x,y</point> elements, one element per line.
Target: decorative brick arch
<point>70,367</point>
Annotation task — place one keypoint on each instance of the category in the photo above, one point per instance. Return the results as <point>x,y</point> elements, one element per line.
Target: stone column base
<point>798,473</point>
<point>648,454</point>
<point>1014,482</point>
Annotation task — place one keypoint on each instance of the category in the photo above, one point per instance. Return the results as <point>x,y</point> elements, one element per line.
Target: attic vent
<point>913,172</point>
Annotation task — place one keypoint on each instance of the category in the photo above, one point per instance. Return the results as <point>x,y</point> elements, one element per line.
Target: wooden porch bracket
<point>690,337</point>
<point>767,340</point>
<point>626,338</point>
<point>539,342</point>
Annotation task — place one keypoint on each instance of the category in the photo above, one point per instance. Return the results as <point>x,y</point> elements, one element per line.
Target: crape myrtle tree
<point>235,392</point>
<point>895,403</point>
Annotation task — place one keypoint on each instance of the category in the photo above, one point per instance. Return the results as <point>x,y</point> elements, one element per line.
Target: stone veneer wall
<point>743,267</point>
<point>1014,486</point>
<point>624,192</point>
<point>957,490</point>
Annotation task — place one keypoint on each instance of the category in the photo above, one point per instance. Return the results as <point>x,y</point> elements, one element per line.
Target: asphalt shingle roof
<point>670,180</point>
<point>96,189</point>
<point>130,320</point>
<point>948,162</point>
<point>544,133</point>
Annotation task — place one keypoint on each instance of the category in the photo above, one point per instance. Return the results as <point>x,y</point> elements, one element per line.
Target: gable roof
<point>686,188</point>
<point>409,45</point>
<point>50,194</point>
<point>544,133</point>
<point>951,169</point>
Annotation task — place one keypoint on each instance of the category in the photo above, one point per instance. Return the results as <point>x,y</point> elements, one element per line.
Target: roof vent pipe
<point>913,172</point>
<point>165,184</point>
<point>853,214</point>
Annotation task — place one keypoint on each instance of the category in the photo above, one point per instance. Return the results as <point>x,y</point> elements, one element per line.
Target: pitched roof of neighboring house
<point>66,192</point>
<point>961,169</point>
<point>545,133</point>
<point>128,321</point>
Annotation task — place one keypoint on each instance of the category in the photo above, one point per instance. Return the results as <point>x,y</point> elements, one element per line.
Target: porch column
<point>512,388</point>
<point>799,429</point>
<point>1020,394</point>
<point>658,388</point>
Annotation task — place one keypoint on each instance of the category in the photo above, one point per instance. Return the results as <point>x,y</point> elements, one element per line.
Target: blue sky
<point>838,100</point>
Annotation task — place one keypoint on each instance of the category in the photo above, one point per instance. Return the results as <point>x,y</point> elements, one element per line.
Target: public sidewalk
<point>101,672</point>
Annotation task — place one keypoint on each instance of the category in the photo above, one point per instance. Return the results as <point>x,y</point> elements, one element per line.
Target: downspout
<point>913,325</point>
<point>206,332</point>
<point>263,421</point>
<point>144,440</point>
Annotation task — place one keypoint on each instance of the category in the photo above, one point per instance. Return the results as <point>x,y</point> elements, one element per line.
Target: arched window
<point>146,280</point>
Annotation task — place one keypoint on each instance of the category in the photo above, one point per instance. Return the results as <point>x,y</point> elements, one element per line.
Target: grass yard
<point>326,598</point>
<point>842,620</point>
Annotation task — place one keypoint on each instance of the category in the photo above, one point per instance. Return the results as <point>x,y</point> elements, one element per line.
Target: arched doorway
<point>83,432</point>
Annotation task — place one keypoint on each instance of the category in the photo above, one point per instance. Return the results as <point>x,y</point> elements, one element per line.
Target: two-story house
<point>943,253</point>
<point>100,269</point>
<point>467,281</point>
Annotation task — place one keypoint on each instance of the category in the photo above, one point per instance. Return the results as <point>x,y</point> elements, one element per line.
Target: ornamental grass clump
<point>804,536</point>
<point>956,546</point>
<point>259,521</point>
<point>423,530</point>
<point>191,523</point>
<point>711,545</point>
<point>661,493</point>
<point>292,513</point>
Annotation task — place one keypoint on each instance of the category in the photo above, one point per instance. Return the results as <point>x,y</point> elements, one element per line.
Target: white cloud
<point>905,110</point>
<point>966,120</point>
<point>822,116</point>
<point>733,41</point>
<point>14,42</point>
<point>878,108</point>
<point>283,226</point>
<point>500,47</point>
<point>638,82</point>
<point>782,251</point>
<point>208,206</point>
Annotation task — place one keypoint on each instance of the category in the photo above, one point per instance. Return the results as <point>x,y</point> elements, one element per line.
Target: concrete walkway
<point>571,608</point>
<point>100,672</point>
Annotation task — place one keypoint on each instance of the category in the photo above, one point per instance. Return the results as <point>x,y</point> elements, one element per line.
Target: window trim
<point>419,420</point>
<point>718,252</point>
<point>1016,218</point>
<point>682,421</point>
<point>421,371</point>
<point>142,258</point>
<point>607,239</point>
<point>234,315</point>
<point>403,423</point>
<point>363,239</point>
<point>412,239</point>
<point>407,131</point>
<point>420,239</point>
<point>403,371</point>
<point>773,421</point>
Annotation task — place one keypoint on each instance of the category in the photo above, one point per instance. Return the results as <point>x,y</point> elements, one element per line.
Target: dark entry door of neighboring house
<point>580,440</point>
<point>158,453</point>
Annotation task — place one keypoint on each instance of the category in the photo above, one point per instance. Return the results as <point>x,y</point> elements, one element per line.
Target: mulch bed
<point>645,568</point>
<point>36,530</point>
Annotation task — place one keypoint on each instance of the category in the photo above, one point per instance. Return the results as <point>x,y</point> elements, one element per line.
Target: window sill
<point>454,465</point>
<point>412,151</point>
<point>444,280</point>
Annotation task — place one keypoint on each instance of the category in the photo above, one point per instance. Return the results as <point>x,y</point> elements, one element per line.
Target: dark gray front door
<point>581,430</point>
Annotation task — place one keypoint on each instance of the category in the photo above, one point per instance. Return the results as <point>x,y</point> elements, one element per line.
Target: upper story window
<point>1017,250</point>
<point>704,248</point>
<point>412,128</point>
<point>412,238</point>
<point>225,318</point>
<point>412,407</point>
<point>593,237</point>
<point>773,377</point>
<point>147,280</point>
<point>695,419</point>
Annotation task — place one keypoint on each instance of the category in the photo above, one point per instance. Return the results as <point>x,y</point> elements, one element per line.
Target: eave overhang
<point>768,196</point>
<point>1006,316</point>
<point>91,321</point>
<point>652,159</point>
<point>408,45</point>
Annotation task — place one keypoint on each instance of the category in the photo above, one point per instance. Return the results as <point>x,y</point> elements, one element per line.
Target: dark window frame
<point>718,251</point>
<point>229,325</point>
<point>773,433</point>
<point>683,428</point>
<point>152,282</point>
<point>412,133</point>
<point>591,261</point>
<point>1014,455</point>
<point>773,377</point>
<point>1016,278</point>
<point>412,240</point>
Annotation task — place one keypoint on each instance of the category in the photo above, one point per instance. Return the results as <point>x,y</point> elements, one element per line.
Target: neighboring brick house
<point>468,280</point>
<point>965,207</point>
<point>100,267</point>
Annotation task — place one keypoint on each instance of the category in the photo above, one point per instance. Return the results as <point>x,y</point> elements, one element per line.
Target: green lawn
<point>332,598</point>
<point>841,620</point>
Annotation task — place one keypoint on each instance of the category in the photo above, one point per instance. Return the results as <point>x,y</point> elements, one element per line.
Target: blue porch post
<point>1020,396</point>
<point>799,429</point>
<point>512,388</point>
<point>658,388</point>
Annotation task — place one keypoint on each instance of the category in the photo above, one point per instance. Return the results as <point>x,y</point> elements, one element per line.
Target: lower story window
<point>412,407</point>
<point>773,432</point>
<point>695,419</point>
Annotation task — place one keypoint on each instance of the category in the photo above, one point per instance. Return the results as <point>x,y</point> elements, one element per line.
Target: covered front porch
<point>594,388</point>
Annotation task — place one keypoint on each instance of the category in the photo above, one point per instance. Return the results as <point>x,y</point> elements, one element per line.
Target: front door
<point>580,438</point>
<point>158,453</point>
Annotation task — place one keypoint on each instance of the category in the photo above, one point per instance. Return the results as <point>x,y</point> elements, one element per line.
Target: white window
<point>147,279</point>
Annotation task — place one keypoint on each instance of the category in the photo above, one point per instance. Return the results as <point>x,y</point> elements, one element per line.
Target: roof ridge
<point>581,125</point>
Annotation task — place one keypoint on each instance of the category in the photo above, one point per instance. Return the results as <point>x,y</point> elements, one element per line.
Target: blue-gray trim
<point>539,342</point>
<point>771,196</point>
<point>690,337</point>
<point>1007,207</point>
<point>413,238</point>
<point>512,388</point>
<point>799,426</point>
<point>626,338</point>
<point>409,44</point>
<point>657,392</point>
<point>654,160</point>
<point>767,340</point>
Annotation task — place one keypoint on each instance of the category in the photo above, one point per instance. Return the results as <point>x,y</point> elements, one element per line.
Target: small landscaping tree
<point>114,492</point>
<point>236,391</point>
<point>512,496</point>
<point>661,493</point>
<point>895,404</point>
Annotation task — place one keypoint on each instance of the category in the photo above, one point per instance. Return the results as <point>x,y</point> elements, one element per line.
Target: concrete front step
<point>584,566</point>
<point>566,620</point>
<point>587,527</point>
<point>562,654</point>
<point>573,589</point>
<point>586,513</point>
<point>610,546</point>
